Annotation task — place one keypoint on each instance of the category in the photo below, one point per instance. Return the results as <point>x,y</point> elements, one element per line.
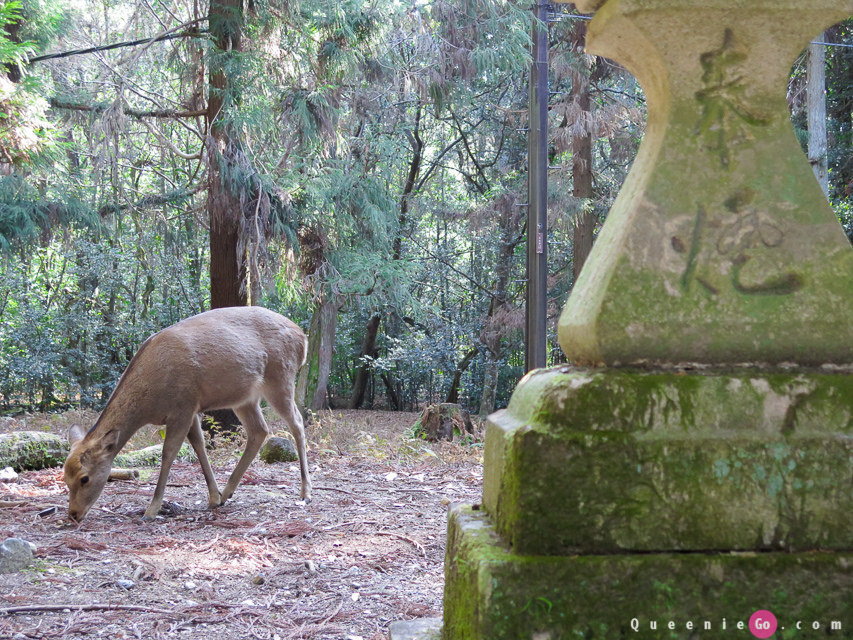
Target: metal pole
<point>537,191</point>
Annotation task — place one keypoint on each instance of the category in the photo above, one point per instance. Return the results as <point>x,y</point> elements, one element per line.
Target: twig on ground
<point>337,610</point>
<point>417,544</point>
<point>349,493</point>
<point>354,495</point>
<point>346,524</point>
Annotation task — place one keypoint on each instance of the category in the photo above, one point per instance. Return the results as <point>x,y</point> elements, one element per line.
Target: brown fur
<point>224,358</point>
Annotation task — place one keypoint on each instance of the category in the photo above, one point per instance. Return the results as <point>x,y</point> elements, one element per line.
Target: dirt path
<point>369,549</point>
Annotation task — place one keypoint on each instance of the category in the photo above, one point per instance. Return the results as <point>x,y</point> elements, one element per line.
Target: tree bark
<point>368,349</point>
<point>584,224</point>
<point>313,382</point>
<point>490,386</point>
<point>13,69</point>
<point>453,393</point>
<point>227,266</point>
<point>816,93</point>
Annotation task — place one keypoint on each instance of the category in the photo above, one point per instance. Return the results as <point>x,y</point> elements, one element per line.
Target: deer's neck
<point>122,414</point>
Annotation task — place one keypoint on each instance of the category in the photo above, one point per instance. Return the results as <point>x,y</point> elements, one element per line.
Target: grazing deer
<point>224,358</point>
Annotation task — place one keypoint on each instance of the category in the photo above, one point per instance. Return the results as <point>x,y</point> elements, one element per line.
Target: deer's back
<point>215,359</point>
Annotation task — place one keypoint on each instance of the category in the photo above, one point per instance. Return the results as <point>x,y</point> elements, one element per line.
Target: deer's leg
<point>196,438</point>
<point>256,433</point>
<point>284,403</point>
<point>176,430</point>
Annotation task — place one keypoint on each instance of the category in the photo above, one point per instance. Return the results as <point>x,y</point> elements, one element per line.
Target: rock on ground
<point>279,450</point>
<point>32,450</point>
<point>149,456</point>
<point>8,475</point>
<point>15,554</point>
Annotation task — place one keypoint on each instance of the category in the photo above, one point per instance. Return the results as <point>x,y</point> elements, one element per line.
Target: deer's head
<point>87,468</point>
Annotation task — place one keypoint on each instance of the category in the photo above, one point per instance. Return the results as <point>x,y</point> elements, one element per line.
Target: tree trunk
<point>393,396</point>
<point>816,83</point>
<point>584,224</point>
<point>227,266</point>
<point>313,382</point>
<point>490,386</point>
<point>394,323</point>
<point>439,421</point>
<point>13,69</point>
<point>306,380</point>
<point>368,349</point>
<point>453,394</point>
<point>495,326</point>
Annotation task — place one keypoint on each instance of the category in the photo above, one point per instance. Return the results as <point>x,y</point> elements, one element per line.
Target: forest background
<point>358,166</point>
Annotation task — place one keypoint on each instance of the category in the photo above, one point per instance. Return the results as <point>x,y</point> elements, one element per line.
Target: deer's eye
<point>84,480</point>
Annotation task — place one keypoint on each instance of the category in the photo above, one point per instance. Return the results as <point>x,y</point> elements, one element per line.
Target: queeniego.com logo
<point>761,624</point>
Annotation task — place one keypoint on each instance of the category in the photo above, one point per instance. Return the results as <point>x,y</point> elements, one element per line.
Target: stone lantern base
<point>618,501</point>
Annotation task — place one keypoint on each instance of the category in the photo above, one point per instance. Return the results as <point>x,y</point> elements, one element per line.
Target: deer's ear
<point>75,433</point>
<point>110,441</point>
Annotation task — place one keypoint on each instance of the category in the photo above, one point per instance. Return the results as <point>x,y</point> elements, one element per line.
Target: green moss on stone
<point>605,460</point>
<point>492,592</point>
<point>25,450</point>
<point>150,456</point>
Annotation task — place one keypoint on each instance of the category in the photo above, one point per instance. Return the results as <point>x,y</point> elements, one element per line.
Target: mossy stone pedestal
<point>689,497</point>
<point>699,469</point>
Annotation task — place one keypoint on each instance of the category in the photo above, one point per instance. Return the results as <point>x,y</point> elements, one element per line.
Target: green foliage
<point>73,312</point>
<point>26,216</point>
<point>390,133</point>
<point>12,52</point>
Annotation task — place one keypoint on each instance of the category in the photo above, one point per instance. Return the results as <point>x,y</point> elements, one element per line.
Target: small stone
<point>15,554</point>
<point>125,584</point>
<point>279,450</point>
<point>19,636</point>
<point>8,475</point>
<point>189,585</point>
<point>309,564</point>
<point>259,578</point>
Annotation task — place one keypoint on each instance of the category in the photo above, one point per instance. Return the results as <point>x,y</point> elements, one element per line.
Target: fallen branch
<point>124,474</point>
<point>42,608</point>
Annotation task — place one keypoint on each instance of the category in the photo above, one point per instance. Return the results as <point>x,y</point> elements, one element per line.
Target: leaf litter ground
<point>368,550</point>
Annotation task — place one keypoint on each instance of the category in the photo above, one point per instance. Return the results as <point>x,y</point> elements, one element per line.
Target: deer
<point>227,358</point>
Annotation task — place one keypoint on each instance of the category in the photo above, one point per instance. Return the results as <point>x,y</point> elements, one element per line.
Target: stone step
<point>602,461</point>
<point>492,593</point>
